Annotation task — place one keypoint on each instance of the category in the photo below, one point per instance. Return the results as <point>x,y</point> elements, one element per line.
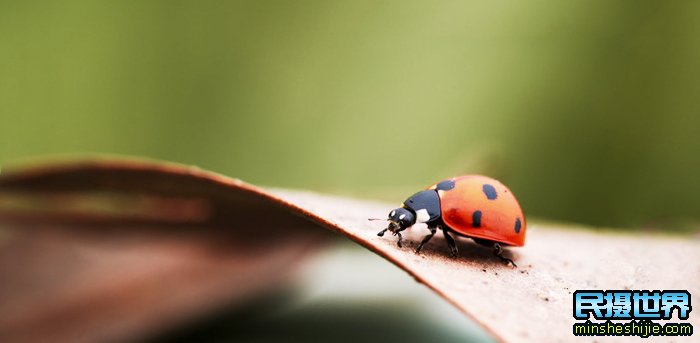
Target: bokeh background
<point>588,110</point>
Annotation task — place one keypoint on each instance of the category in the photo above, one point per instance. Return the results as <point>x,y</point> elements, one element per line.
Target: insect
<point>473,206</point>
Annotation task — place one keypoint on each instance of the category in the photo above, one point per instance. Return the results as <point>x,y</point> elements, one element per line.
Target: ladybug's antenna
<point>376,219</point>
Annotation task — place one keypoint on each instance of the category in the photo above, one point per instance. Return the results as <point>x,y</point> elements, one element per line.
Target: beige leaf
<point>121,249</point>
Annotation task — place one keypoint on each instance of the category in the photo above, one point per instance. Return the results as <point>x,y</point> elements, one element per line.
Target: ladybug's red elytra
<point>473,206</point>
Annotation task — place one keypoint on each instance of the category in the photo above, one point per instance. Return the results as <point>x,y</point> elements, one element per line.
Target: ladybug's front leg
<point>400,241</point>
<point>396,233</point>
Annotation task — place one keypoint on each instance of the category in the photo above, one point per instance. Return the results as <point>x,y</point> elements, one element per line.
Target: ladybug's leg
<point>427,237</point>
<point>450,242</point>
<point>400,241</point>
<point>381,233</point>
<point>498,251</point>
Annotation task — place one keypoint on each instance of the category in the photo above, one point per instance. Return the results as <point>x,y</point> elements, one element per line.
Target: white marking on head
<point>392,213</point>
<point>422,216</point>
<point>402,216</point>
<point>440,193</point>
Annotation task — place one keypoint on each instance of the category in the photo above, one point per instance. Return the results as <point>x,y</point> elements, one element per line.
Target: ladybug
<point>473,206</point>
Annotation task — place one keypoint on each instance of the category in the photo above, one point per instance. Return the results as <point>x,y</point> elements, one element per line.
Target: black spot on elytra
<point>445,185</point>
<point>518,225</point>
<point>490,191</point>
<point>476,219</point>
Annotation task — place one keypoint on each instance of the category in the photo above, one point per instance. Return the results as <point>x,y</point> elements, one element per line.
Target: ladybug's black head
<point>400,219</point>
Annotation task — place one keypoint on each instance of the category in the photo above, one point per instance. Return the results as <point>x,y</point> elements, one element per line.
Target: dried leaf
<point>120,249</point>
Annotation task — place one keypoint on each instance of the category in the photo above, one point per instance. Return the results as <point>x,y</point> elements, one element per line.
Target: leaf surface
<point>120,249</point>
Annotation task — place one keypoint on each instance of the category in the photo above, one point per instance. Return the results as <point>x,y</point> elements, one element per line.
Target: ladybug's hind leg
<point>498,251</point>
<point>450,242</point>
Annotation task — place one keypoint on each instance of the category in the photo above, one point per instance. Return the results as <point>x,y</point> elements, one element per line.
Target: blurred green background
<point>588,110</point>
